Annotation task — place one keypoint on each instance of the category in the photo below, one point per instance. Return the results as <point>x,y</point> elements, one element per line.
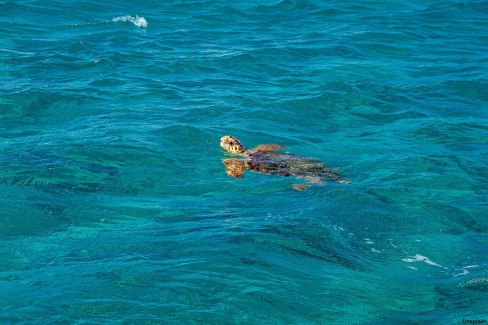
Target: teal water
<point>114,203</point>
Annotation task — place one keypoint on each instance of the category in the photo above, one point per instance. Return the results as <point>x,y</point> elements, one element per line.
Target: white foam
<point>465,271</point>
<point>481,279</point>
<point>137,21</point>
<point>462,273</point>
<point>420,258</point>
<point>368,241</point>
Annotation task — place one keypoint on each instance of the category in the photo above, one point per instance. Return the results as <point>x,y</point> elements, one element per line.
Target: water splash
<point>137,21</point>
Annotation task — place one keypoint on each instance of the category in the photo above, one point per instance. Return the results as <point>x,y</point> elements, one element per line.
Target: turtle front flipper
<point>235,167</point>
<point>268,147</point>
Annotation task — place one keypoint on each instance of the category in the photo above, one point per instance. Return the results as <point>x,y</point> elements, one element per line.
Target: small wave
<point>465,271</point>
<point>138,21</point>
<point>420,258</point>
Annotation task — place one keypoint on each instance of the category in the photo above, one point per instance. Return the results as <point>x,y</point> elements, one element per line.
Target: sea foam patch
<point>420,258</point>
<point>137,21</point>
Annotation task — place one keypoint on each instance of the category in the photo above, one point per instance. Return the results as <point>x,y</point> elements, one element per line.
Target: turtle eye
<point>231,143</point>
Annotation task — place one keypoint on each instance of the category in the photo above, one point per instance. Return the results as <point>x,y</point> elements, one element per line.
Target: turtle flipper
<point>300,187</point>
<point>315,180</point>
<point>268,147</point>
<point>235,167</point>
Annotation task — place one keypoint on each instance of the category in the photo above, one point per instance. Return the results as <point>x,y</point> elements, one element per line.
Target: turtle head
<point>232,145</point>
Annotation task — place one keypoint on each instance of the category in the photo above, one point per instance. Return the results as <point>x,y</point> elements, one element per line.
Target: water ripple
<point>110,120</point>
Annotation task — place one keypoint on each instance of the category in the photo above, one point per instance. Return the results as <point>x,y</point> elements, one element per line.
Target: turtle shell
<point>285,164</point>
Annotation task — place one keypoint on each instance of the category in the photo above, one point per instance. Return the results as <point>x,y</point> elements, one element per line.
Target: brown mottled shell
<point>284,164</point>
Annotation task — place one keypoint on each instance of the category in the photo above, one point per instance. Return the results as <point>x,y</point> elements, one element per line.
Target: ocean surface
<point>114,203</point>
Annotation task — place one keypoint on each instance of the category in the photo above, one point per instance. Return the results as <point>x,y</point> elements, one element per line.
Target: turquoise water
<point>114,203</point>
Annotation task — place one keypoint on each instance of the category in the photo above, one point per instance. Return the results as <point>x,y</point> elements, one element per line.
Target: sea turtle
<point>265,159</point>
